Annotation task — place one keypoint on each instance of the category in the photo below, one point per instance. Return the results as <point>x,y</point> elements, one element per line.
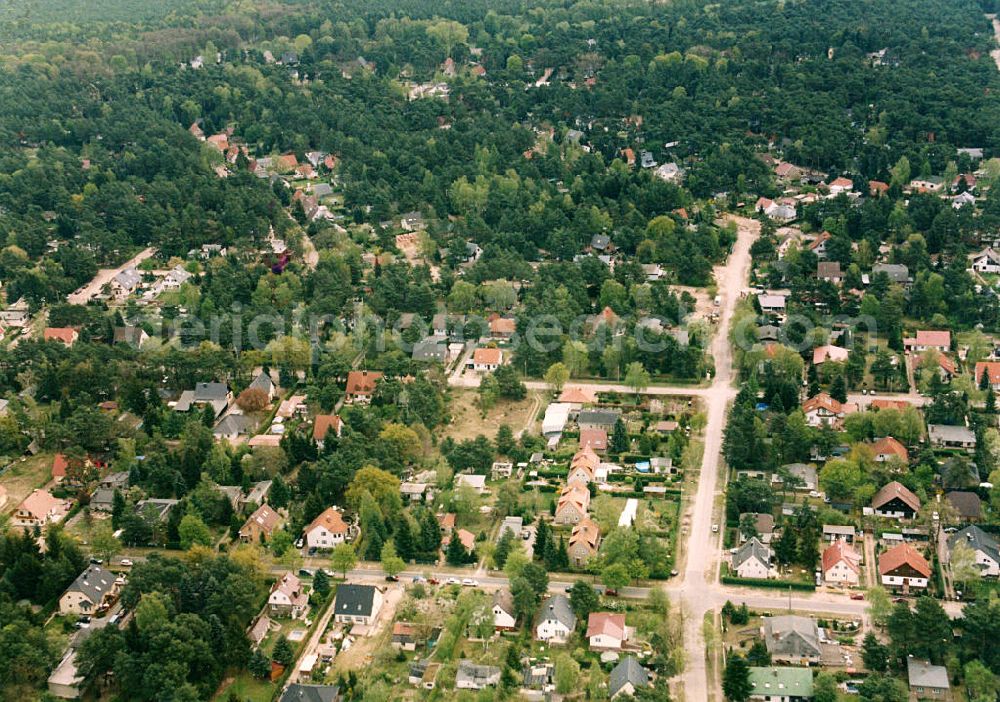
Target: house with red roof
<point>486,360</point>
<point>324,424</point>
<point>823,410</point>
<point>595,439</point>
<point>361,385</point>
<point>888,447</point>
<point>841,564</point>
<point>606,631</point>
<point>327,530</point>
<point>992,370</point>
<point>925,340</point>
<point>903,568</point>
<point>895,501</point>
<point>66,335</point>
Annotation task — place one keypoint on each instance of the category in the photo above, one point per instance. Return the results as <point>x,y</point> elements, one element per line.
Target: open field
<point>468,422</point>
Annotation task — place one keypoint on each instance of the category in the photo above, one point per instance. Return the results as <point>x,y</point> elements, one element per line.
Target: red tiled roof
<point>904,554</point>
<point>487,357</point>
<point>893,490</point>
<point>331,519</point>
<point>586,533</point>
<point>324,423</point>
<point>992,368</point>
<point>822,401</point>
<point>891,404</point>
<point>926,337</point>
<point>67,335</point>
<point>362,382</point>
<point>606,623</point>
<point>578,395</point>
<point>841,551</point>
<point>889,446</point>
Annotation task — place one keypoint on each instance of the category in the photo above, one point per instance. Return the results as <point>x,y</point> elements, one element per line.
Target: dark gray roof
<point>115,480</point>
<point>604,417</point>
<point>897,272</point>
<point>355,600</point>
<point>322,189</point>
<point>923,674</point>
<point>233,424</point>
<point>311,693</point>
<point>628,670</point>
<point>94,583</point>
<point>978,540</point>
<point>430,349</point>
<point>558,607</point>
<point>102,496</point>
<point>477,676</point>
<point>262,382</point>
<point>600,241</point>
<point>968,504</point>
<point>206,392</point>
<point>791,635</point>
<point>752,548</point>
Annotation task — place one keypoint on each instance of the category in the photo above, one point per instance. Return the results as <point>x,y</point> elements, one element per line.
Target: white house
<point>556,620</point>
<point>607,631</point>
<point>986,261</point>
<point>903,568</point>
<point>752,560</point>
<point>327,530</point>
<point>841,564</point>
<point>503,610</point>
<point>287,598</point>
<point>983,546</point>
<point>89,591</point>
<point>486,360</point>
<point>357,604</point>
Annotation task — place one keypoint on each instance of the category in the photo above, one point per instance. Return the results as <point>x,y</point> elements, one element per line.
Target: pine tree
<point>117,509</point>
<point>280,494</point>
<point>502,550</point>
<point>785,547</point>
<point>991,401</point>
<point>874,653</point>
<point>619,438</point>
<point>736,683</point>
<point>542,537</point>
<point>208,416</point>
<point>456,554</point>
<point>562,555</point>
<point>838,389</point>
<point>282,652</point>
<point>321,583</point>
<point>259,666</point>
<point>430,534</point>
<point>403,538</point>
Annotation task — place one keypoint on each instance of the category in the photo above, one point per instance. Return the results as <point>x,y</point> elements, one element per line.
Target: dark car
<point>392,579</point>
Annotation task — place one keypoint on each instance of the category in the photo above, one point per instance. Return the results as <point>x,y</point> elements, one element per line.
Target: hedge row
<point>774,584</point>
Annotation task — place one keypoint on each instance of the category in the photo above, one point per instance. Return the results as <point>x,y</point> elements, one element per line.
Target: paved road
<point>104,276</point>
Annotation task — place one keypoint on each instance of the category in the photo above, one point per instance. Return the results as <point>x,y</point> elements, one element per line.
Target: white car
<point>715,528</point>
<point>127,562</point>
<point>469,582</point>
<point>452,581</point>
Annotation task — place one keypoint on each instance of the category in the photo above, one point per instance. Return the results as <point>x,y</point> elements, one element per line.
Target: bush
<point>773,584</point>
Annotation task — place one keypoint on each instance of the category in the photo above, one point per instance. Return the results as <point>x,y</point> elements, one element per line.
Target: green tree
<point>615,576</point>
<point>584,599</point>
<point>736,683</point>
<point>825,688</point>
<point>983,685</point>
<point>259,666</point>
<point>104,542</point>
<point>321,583</point>
<point>556,376</point>
<point>636,377</point>
<point>283,652</point>
<point>503,548</point>
<point>343,558</point>
<point>193,530</point>
<point>455,554</point>
<point>392,564</point>
<point>874,653</point>
<point>619,438</point>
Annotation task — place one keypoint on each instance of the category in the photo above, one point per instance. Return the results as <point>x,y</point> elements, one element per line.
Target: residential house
<point>17,314</point>
<point>297,692</point>
<point>594,439</point>
<point>763,526</point>
<point>597,419</point>
<point>840,185</point>
<point>537,678</point>
<point>992,370</point>
<point>829,271</point>
<point>504,617</point>
<point>822,354</point>
<point>606,631</point>
<point>357,604</point>
<point>102,500</point>
<point>412,221</point>
<point>841,564</point>
<point>287,598</point>
<point>39,509</point>
<point>804,476</point>
<point>752,560</point>
<point>93,588</point>
<point>215,394</point>
<point>361,385</point>
<point>501,470</point>
<point>926,340</point>
<point>903,568</point>
<point>262,381</point>
<point>512,524</point>
<point>431,349</point>
<point>626,678</point>
<point>323,424</point>
<point>133,336</point>
<point>584,542</point>
<point>771,303</point>
<point>926,681</point>
<point>669,172</point>
<point>584,463</point>
<point>792,639</point>
<point>930,184</point>
<point>983,545</point>
<point>125,283</point>
<point>897,272</point>
<point>985,261</point>
<point>823,410</point>
<point>781,684</point>
<point>895,501</point>
<point>260,526</point>
<point>503,327</point>
<point>486,360</point>
<point>968,505</point>
<point>233,427</point>
<point>404,636</point>
<point>948,436</point>
<point>64,335</point>
<point>573,504</point>
<point>887,448</point>
<point>471,676</point>
<point>819,244</point>
<point>327,530</point>
<point>556,620</point>
<point>835,532</point>
<point>476,482</point>
<point>416,492</point>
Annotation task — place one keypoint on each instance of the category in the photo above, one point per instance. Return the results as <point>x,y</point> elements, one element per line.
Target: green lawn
<point>249,688</point>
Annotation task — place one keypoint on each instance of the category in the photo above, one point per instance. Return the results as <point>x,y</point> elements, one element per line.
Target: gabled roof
<point>992,368</point>
<point>753,548</point>
<point>926,337</point>
<point>291,587</point>
<point>791,635</point>
<point>890,446</point>
<point>265,518</point>
<point>311,693</point>
<point>262,382</point>
<point>841,551</point>
<point>503,599</point>
<point>575,496</point>
<point>233,424</point>
<point>627,671</point>
<point>968,504</point>
<point>355,600</point>
<point>822,354</point>
<point>66,335</point>
<point>894,490</point>
<point>977,540</point>
<point>606,624</point>
<point>362,382</point>
<point>40,504</point>
<point>93,583</point>
<point>487,357</point>
<point>558,607</point>
<point>822,401</point>
<point>578,395</point>
<point>585,533</point>
<point>903,554</point>
<point>793,682</point>
<point>331,520</point>
<point>324,423</point>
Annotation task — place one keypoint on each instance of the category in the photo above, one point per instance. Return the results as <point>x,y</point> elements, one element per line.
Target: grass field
<point>468,421</point>
<point>24,476</point>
